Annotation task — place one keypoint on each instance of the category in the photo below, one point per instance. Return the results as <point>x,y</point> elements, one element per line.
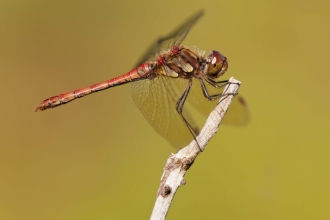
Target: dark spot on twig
<point>186,164</point>
<point>167,190</point>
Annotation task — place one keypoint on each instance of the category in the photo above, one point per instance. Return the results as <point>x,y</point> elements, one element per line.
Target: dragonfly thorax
<point>187,62</point>
<point>181,62</point>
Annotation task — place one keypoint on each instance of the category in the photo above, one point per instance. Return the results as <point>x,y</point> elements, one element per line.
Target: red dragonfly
<point>162,81</point>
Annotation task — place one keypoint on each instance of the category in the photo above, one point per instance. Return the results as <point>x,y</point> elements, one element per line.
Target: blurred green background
<point>98,158</point>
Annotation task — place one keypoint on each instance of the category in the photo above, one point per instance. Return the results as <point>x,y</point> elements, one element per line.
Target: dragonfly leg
<point>213,83</point>
<point>179,108</point>
<point>216,83</point>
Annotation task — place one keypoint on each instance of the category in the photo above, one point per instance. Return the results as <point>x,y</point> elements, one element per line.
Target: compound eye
<point>217,64</point>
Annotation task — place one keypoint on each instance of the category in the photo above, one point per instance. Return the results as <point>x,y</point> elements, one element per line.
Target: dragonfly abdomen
<point>141,71</point>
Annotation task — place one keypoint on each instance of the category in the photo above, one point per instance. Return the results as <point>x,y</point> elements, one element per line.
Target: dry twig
<point>178,164</point>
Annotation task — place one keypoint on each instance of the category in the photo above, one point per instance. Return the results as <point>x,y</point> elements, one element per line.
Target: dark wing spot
<point>242,101</point>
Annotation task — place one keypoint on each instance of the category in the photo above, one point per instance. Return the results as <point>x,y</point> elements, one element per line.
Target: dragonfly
<point>165,78</point>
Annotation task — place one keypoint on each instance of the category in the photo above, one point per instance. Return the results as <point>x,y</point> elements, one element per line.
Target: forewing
<point>156,98</point>
<point>175,38</point>
<point>238,113</point>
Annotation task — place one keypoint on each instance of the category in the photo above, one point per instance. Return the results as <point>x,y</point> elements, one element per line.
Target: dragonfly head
<point>216,64</point>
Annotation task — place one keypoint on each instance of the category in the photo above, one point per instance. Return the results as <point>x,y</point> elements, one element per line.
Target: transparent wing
<point>156,98</point>
<point>238,113</point>
<point>173,39</point>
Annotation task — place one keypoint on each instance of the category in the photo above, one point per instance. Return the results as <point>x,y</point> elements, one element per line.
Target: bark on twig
<point>178,164</point>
